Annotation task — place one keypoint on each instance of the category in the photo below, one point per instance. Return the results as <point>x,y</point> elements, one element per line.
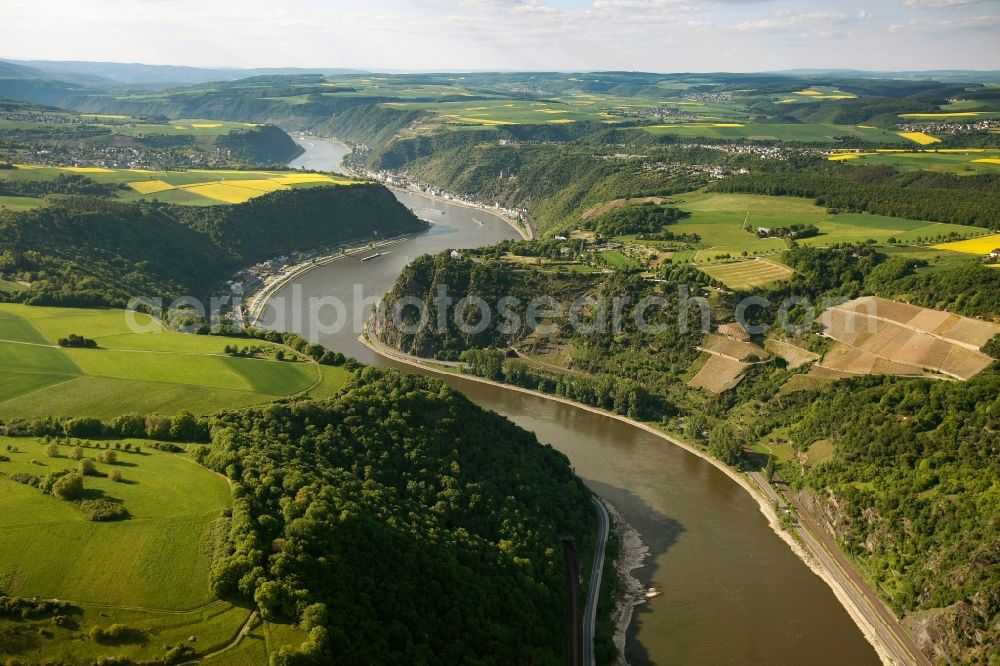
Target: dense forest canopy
<point>399,522</point>
<point>87,251</point>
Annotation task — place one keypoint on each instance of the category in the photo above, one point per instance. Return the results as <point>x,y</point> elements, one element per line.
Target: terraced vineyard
<point>879,336</point>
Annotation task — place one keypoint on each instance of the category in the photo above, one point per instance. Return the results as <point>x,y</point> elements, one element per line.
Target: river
<point>733,592</point>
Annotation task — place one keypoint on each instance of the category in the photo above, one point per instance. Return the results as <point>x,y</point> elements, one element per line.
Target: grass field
<point>20,203</point>
<point>723,221</point>
<point>946,116</point>
<point>157,550</point>
<point>957,161</point>
<point>937,260</point>
<point>192,187</point>
<point>617,259</point>
<point>149,571</point>
<point>815,94</point>
<point>818,133</point>
<point>158,372</point>
<point>746,274</point>
<point>566,107</point>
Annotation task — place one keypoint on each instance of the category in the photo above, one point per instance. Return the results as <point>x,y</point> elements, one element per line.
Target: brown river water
<point>733,591</point>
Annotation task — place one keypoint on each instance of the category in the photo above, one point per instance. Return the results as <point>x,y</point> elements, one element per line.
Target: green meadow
<point>128,126</point>
<point>971,162</point>
<point>20,203</point>
<point>507,111</point>
<point>569,107</point>
<point>617,259</point>
<point>811,133</point>
<point>149,571</point>
<point>158,547</point>
<point>724,223</point>
<point>158,371</point>
<point>184,126</point>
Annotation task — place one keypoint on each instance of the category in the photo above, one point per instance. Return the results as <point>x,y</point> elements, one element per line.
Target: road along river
<point>733,591</point>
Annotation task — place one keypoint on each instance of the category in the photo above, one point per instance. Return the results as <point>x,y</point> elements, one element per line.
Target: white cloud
<point>657,35</point>
<point>965,24</point>
<point>938,4</point>
<point>786,20</point>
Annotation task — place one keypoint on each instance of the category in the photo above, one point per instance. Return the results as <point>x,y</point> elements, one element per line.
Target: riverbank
<point>260,299</point>
<point>850,599</point>
<point>632,553</point>
<point>525,230</point>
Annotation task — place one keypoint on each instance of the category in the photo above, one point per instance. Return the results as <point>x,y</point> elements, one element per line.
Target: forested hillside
<point>909,481</point>
<point>265,144</point>
<point>399,523</point>
<point>86,251</point>
<point>912,492</point>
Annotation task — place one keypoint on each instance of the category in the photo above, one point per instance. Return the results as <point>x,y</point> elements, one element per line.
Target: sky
<point>393,35</point>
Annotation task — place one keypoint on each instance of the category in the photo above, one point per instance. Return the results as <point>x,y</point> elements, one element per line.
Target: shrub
<point>26,609</point>
<point>76,453</point>
<point>87,467</point>
<point>75,340</point>
<point>26,478</point>
<point>115,475</point>
<point>107,456</point>
<point>52,450</point>
<point>129,425</point>
<point>102,510</point>
<point>84,427</point>
<point>157,427</point>
<point>116,634</point>
<point>166,446</point>
<point>68,487</point>
<point>178,654</point>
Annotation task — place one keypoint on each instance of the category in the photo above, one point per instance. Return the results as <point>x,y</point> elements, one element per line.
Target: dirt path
<point>244,630</point>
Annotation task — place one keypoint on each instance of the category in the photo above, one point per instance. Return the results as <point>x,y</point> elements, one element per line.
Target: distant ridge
<point>945,75</point>
<point>152,75</point>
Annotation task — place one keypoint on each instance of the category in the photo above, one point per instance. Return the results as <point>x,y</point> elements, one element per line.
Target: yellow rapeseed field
<point>919,137</point>
<point>225,192</point>
<point>846,156</point>
<point>263,184</point>
<point>150,186</point>
<point>86,169</point>
<point>206,125</point>
<point>988,160</point>
<point>478,121</point>
<point>294,178</point>
<point>983,245</point>
<point>942,114</point>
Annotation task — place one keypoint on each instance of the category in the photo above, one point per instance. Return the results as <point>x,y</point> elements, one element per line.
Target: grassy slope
<point>820,133</point>
<point>961,163</point>
<point>719,220</point>
<point>153,559</point>
<point>159,371</point>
